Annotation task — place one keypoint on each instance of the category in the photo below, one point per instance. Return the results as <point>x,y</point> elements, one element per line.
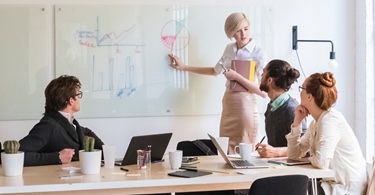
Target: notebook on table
<point>245,68</point>
<point>252,163</point>
<point>290,162</point>
<point>158,142</point>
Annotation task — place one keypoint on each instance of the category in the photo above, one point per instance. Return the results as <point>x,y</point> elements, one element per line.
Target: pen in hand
<point>260,143</point>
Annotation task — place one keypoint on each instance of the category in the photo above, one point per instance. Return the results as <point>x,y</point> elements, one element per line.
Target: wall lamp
<point>332,62</point>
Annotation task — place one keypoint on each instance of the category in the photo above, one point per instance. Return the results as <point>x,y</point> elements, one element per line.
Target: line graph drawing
<point>120,39</point>
<point>174,32</point>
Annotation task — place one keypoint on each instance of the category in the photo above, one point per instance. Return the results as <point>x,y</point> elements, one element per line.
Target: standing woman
<point>329,138</point>
<point>239,119</point>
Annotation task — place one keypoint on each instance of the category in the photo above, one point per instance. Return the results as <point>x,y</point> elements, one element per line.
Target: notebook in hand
<point>246,69</point>
<point>239,164</point>
<point>158,142</point>
<point>290,162</point>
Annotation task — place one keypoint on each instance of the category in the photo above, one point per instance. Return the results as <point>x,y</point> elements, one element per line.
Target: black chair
<point>200,147</point>
<point>196,148</point>
<point>280,185</point>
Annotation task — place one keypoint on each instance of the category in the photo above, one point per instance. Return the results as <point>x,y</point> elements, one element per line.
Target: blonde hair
<point>232,22</point>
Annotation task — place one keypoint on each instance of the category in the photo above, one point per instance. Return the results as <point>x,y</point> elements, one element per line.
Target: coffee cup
<point>175,159</point>
<point>244,150</point>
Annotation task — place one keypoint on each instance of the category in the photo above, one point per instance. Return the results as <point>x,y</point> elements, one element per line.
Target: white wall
<point>319,19</point>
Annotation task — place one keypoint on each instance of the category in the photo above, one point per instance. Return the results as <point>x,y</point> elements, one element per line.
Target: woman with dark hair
<point>329,138</point>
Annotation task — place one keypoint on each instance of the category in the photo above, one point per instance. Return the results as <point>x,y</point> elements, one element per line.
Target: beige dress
<point>239,118</point>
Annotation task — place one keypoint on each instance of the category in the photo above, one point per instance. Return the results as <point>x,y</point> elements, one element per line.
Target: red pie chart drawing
<point>175,35</point>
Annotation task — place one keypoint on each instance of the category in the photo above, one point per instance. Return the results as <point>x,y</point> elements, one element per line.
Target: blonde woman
<point>239,119</point>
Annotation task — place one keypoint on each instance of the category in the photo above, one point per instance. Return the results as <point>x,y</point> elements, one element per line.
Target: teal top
<point>279,101</point>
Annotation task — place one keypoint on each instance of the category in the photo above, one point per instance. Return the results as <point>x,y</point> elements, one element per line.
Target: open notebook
<point>252,163</point>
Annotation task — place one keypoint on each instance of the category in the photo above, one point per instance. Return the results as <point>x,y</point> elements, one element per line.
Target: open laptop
<point>158,142</point>
<point>239,164</point>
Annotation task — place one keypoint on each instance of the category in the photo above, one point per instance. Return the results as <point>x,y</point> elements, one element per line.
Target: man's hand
<point>66,155</point>
<point>267,151</point>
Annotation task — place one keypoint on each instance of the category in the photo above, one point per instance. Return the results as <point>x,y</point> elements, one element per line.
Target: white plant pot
<point>12,163</point>
<point>90,161</point>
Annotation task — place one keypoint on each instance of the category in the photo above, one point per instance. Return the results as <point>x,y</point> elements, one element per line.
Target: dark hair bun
<point>327,79</point>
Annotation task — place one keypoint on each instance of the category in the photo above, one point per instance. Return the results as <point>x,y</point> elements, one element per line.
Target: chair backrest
<point>281,185</point>
<point>190,149</point>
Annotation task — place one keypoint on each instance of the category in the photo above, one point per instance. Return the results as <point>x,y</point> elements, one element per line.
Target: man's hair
<point>283,74</point>
<point>232,23</point>
<point>59,91</point>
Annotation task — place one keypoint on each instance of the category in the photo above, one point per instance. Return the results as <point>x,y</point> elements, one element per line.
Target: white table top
<point>155,180</point>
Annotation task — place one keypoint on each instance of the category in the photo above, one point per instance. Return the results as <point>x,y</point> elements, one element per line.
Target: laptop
<point>158,142</point>
<point>239,164</point>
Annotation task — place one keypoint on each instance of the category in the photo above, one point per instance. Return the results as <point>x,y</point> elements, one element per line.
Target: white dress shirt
<point>332,144</point>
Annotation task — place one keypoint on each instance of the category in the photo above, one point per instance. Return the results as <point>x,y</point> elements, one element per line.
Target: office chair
<point>280,185</point>
<point>200,147</point>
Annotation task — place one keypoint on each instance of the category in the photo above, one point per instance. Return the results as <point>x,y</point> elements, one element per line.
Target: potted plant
<point>12,159</point>
<point>90,158</point>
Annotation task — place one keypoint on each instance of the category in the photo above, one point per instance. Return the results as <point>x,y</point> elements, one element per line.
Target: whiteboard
<point>24,68</point>
<point>119,53</point>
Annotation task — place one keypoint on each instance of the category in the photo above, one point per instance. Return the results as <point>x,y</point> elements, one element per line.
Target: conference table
<point>54,179</point>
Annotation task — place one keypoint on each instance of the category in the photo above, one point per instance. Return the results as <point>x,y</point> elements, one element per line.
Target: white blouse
<point>250,52</point>
<point>332,144</point>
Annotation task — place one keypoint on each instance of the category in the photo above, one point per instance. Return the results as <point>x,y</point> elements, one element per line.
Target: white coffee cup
<point>223,143</point>
<point>109,156</point>
<point>245,150</point>
<point>175,159</point>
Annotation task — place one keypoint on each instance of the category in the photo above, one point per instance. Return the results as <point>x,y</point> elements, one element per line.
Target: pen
<point>123,169</point>
<point>222,65</point>
<point>71,176</point>
<point>260,143</point>
<point>206,170</point>
<point>189,169</point>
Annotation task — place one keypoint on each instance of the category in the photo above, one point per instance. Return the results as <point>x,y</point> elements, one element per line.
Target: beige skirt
<point>239,119</point>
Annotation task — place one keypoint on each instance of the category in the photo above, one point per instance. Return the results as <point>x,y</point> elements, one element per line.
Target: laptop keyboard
<point>241,163</point>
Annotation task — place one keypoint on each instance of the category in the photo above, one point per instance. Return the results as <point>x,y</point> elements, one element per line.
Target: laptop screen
<point>158,142</point>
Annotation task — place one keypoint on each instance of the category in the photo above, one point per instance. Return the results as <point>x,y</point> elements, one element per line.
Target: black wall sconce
<point>332,63</point>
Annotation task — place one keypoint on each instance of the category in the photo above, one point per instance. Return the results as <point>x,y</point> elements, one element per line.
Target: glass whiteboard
<point>119,52</point>
<point>24,64</point>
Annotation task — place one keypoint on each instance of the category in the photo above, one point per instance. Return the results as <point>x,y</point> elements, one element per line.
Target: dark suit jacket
<point>52,134</point>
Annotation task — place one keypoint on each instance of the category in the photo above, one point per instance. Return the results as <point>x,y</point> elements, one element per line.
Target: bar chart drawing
<point>120,54</point>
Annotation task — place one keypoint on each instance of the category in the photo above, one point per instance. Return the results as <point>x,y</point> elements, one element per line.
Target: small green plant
<point>11,146</point>
<point>88,144</point>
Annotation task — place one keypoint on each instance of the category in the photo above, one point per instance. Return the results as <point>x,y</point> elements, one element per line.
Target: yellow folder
<point>247,69</point>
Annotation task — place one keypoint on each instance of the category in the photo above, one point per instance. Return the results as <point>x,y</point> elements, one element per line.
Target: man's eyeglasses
<point>300,88</point>
<point>79,94</point>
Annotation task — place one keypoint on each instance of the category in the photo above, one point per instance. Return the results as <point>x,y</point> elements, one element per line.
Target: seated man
<point>57,137</point>
<point>277,77</point>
